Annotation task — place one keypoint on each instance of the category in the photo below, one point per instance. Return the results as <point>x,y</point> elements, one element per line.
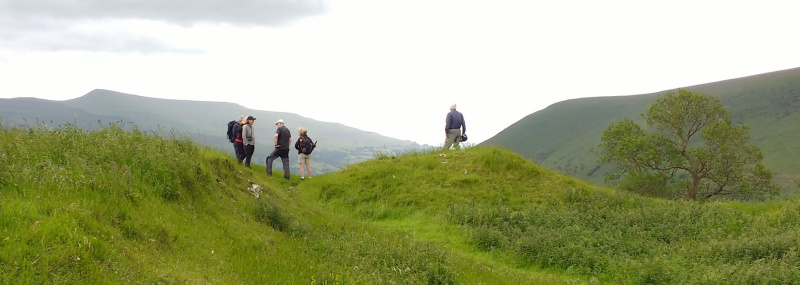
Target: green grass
<point>115,206</point>
<point>494,206</point>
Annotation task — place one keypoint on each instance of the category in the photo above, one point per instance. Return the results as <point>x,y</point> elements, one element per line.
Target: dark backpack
<point>237,131</point>
<point>231,134</point>
<point>308,146</point>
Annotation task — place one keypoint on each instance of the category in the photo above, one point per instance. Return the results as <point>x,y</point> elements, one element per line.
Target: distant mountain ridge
<point>561,136</point>
<point>340,145</point>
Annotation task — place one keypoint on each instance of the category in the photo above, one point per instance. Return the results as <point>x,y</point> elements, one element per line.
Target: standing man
<point>453,128</point>
<point>249,140</point>
<point>283,138</point>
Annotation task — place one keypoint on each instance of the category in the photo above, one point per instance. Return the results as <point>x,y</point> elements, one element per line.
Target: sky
<point>389,66</point>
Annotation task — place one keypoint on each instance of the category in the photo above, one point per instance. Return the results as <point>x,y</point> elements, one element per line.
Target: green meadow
<point>112,206</point>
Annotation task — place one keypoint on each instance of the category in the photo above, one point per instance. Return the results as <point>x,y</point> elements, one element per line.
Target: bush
<point>487,239</point>
<point>272,215</point>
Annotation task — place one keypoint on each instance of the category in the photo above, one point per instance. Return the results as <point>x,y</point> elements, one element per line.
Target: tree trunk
<point>693,189</point>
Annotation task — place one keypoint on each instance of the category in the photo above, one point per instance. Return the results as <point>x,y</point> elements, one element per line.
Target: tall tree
<point>692,150</point>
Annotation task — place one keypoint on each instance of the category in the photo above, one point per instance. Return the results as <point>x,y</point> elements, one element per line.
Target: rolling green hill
<point>111,206</point>
<point>497,206</point>
<point>116,206</point>
<point>204,121</point>
<point>561,136</point>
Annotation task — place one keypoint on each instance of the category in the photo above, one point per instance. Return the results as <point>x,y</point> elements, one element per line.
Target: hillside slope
<point>497,206</point>
<point>115,206</point>
<point>561,136</point>
<point>340,145</point>
<point>111,206</point>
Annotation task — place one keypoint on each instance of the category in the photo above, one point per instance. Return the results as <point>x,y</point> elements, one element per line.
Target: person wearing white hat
<point>283,138</point>
<point>454,128</point>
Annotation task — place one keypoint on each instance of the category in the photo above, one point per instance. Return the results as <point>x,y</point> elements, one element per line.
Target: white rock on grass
<point>255,189</point>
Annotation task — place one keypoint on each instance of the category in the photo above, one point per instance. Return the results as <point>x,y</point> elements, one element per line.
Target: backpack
<point>237,131</point>
<point>308,146</point>
<point>231,134</point>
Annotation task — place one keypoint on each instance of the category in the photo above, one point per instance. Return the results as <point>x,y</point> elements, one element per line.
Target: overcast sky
<point>391,67</point>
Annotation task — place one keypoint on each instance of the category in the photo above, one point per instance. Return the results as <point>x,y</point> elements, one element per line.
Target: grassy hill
<point>501,208</point>
<point>204,121</point>
<point>560,136</point>
<point>116,206</point>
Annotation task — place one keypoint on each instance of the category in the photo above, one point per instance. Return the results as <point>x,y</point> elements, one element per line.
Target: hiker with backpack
<point>455,129</point>
<point>248,139</point>
<point>238,143</point>
<point>283,138</point>
<point>304,147</point>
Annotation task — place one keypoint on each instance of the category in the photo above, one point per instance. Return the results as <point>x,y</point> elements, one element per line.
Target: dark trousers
<point>239,149</point>
<point>248,154</point>
<point>284,155</point>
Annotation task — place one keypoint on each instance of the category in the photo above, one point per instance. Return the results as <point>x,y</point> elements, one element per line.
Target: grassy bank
<point>116,206</point>
<point>498,207</point>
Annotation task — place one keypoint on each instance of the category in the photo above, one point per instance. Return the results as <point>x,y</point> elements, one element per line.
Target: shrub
<point>487,239</point>
<point>272,215</point>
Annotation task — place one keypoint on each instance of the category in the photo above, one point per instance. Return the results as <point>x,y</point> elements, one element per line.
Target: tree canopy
<point>691,151</point>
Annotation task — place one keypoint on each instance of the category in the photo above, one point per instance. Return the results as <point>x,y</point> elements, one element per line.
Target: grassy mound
<point>116,206</point>
<point>497,207</point>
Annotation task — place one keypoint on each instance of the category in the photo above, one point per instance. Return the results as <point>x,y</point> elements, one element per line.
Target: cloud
<point>75,40</point>
<point>181,12</point>
<point>61,35</point>
<point>52,25</point>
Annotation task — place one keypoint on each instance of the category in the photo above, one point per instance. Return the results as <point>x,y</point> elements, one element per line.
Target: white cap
<point>453,107</point>
<point>279,121</point>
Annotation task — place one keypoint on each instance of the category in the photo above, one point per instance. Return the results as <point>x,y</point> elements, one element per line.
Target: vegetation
<point>115,206</point>
<point>497,206</point>
<point>670,161</point>
<point>561,136</point>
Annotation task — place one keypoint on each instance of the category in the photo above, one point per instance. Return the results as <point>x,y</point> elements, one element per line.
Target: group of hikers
<point>242,135</point>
